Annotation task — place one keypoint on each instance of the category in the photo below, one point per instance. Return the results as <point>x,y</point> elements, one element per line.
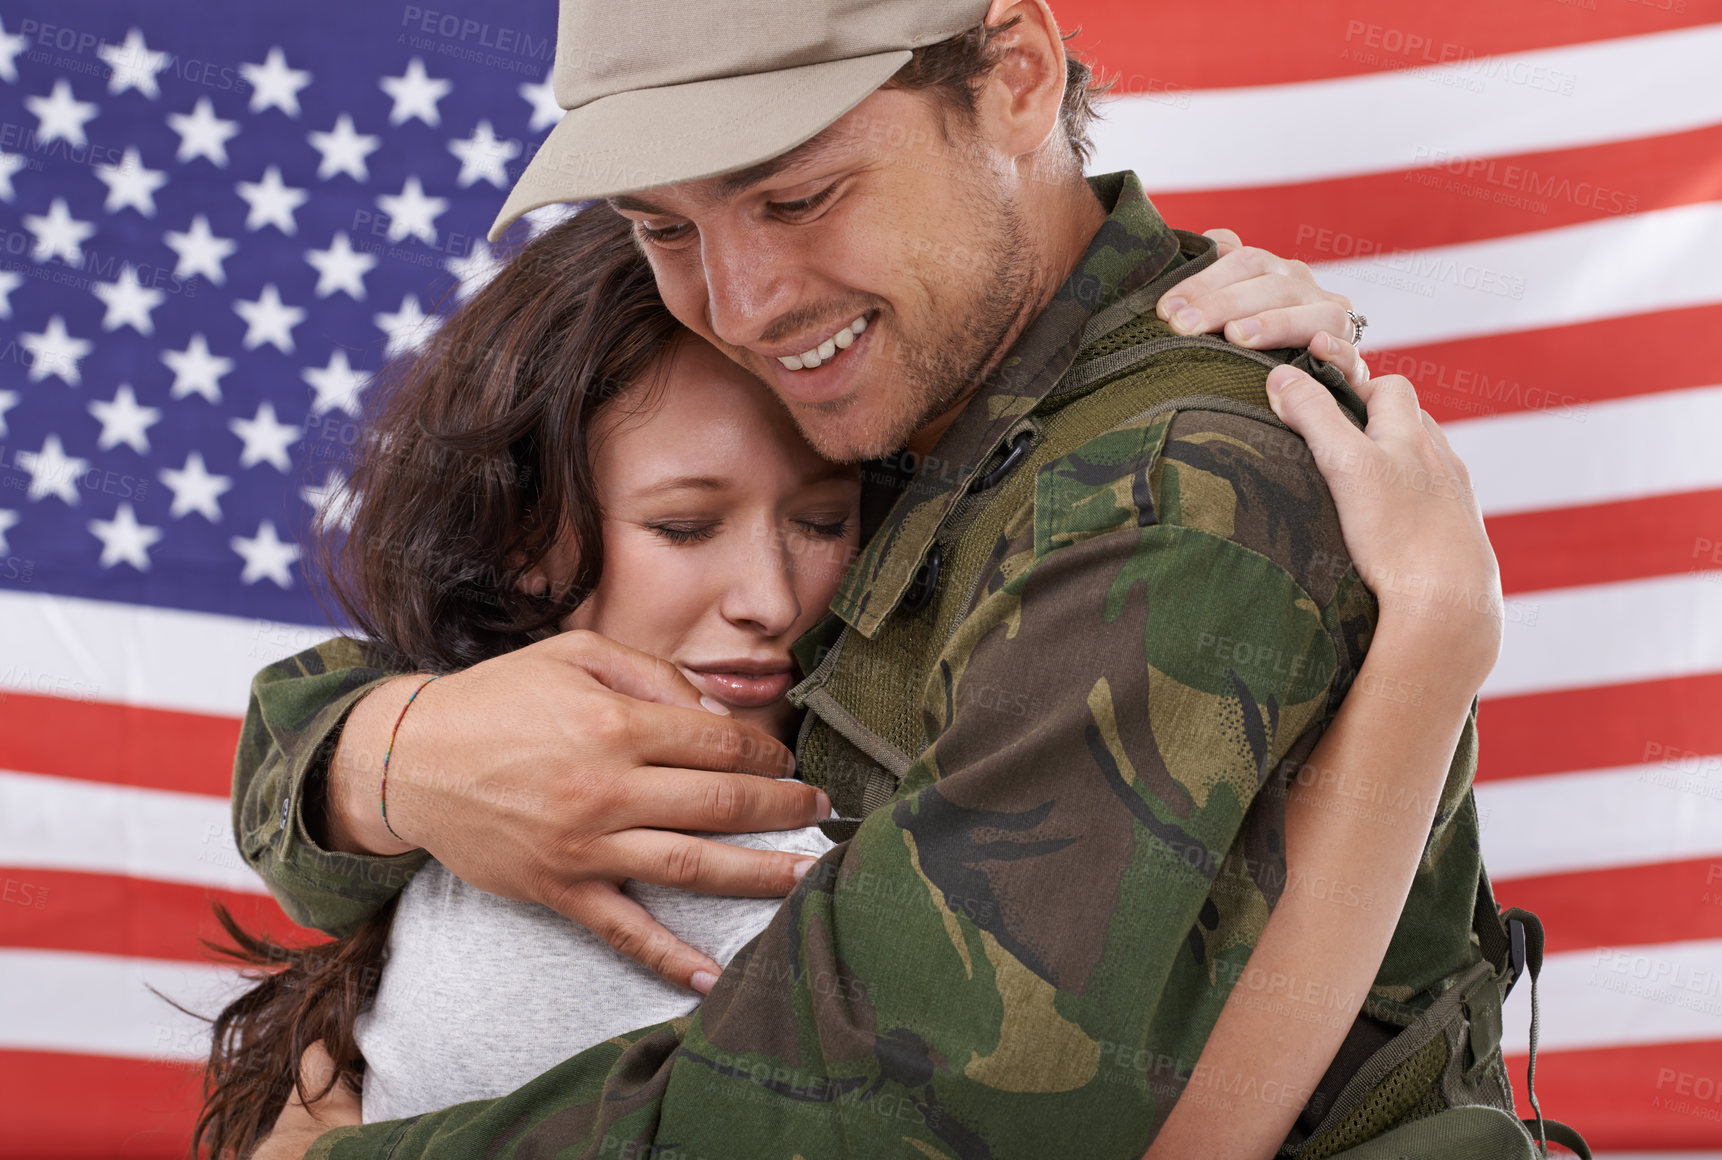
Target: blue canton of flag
<point>214,232</point>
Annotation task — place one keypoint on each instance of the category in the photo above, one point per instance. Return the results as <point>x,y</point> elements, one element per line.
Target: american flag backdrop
<point>217,220</point>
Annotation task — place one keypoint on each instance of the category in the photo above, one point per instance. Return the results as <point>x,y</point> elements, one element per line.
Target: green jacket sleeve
<point>1023,953</point>
<point>292,723</point>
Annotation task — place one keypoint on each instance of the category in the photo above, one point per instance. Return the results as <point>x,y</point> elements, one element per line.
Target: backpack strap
<point>1528,934</point>
<point>1512,939</point>
<point>1493,936</point>
<point>1564,1136</point>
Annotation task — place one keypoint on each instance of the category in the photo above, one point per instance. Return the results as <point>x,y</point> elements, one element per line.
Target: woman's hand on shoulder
<point>1409,515</point>
<point>1264,302</point>
<point>1410,518</point>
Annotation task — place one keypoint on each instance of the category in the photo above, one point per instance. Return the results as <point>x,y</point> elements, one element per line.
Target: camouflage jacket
<point>1022,951</point>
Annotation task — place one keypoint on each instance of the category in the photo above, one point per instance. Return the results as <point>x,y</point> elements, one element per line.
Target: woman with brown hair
<point>562,406</point>
<point>563,457</point>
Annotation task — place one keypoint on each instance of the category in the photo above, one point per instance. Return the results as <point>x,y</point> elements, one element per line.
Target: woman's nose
<point>761,590</point>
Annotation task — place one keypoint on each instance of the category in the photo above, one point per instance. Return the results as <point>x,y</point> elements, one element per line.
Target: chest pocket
<point>864,728</point>
<point>865,725</point>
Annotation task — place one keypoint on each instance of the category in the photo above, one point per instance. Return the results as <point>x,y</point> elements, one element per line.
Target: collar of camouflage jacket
<point>1132,248</point>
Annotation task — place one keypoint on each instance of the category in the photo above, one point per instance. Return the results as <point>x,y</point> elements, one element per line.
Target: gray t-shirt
<point>480,994</point>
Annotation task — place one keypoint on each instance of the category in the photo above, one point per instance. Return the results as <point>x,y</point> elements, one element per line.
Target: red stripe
<point>1225,43</point>
<point>1460,199</point>
<point>1600,728</point>
<point>1604,543</point>
<point>1624,906</point>
<point>1562,369</point>
<point>1631,1097</point>
<point>88,1106</point>
<point>63,910</point>
<point>118,744</point>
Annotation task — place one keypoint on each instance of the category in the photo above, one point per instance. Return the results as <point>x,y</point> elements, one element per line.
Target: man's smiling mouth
<point>827,350</point>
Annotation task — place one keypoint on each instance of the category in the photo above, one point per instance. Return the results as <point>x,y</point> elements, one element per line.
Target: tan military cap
<point>664,91</point>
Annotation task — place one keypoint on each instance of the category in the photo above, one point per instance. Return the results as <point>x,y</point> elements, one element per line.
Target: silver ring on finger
<point>1358,324</point>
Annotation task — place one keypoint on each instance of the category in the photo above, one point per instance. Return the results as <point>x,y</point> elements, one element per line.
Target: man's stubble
<point>986,306</point>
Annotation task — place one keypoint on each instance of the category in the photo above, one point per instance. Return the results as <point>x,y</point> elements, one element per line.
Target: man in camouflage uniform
<point>1111,608</point>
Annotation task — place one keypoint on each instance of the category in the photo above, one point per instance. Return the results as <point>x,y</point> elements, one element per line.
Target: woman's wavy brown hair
<point>476,461</point>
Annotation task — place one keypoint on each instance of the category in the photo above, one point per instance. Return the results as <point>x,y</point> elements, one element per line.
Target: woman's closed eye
<point>831,528</point>
<point>686,532</point>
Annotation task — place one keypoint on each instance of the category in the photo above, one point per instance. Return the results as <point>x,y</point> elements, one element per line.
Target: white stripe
<point>161,658</point>
<point>1640,86</point>
<point>1620,997</point>
<point>1633,264</point>
<point>101,1004</point>
<point>58,823</point>
<point>1610,634</point>
<point>1595,453</point>
<point>1667,810</point>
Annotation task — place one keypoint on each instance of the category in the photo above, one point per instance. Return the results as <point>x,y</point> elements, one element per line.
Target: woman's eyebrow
<point>685,483</point>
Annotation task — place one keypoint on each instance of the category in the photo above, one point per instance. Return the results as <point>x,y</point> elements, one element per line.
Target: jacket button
<point>1018,448</point>
<point>926,580</point>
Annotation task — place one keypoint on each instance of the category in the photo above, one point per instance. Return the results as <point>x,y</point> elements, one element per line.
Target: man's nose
<point>749,282</point>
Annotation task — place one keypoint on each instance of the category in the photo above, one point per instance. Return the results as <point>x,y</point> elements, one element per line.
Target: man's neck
<point>1072,215</point>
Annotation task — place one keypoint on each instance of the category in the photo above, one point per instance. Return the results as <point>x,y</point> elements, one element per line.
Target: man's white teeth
<point>827,350</point>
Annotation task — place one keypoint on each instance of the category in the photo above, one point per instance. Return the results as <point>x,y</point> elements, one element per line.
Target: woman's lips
<point>745,690</point>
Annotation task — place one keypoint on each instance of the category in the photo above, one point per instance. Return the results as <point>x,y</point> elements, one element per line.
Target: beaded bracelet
<point>383,792</point>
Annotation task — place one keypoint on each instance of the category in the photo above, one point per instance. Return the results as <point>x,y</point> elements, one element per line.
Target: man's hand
<point>555,773</point>
<point>299,1124</point>
<point>1263,302</point>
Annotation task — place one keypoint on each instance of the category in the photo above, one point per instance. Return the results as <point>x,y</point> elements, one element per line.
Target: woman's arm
<point>1400,721</point>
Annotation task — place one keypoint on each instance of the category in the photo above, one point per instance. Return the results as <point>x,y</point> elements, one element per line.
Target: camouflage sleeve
<point>297,709</point>
<point>1025,950</point>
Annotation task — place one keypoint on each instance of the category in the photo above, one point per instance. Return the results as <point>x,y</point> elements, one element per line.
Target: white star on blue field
<point>223,230</point>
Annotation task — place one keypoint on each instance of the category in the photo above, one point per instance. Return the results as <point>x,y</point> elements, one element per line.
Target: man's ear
<point>1021,101</point>
<point>554,569</point>
<point>536,581</point>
